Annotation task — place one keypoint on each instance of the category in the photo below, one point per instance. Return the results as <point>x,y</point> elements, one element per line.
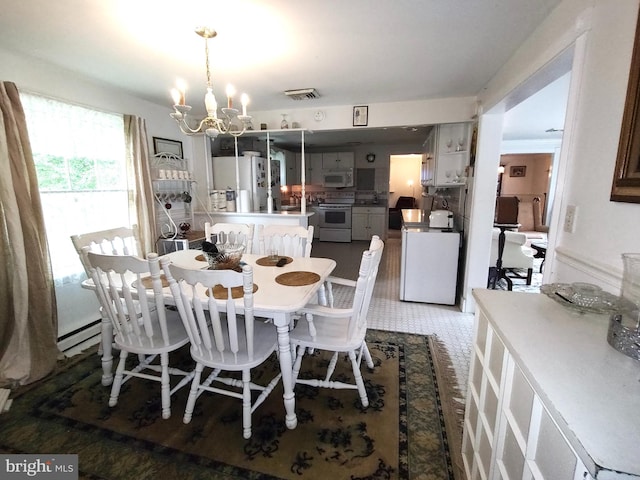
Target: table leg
<point>286,367</point>
<point>500,272</point>
<point>106,333</point>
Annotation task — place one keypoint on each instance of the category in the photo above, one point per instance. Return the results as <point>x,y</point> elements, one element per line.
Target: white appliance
<point>337,178</point>
<point>441,219</point>
<point>334,217</point>
<point>253,178</point>
<point>429,265</point>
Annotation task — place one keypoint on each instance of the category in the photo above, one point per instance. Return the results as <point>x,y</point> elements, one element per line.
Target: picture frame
<point>625,186</point>
<point>165,145</point>
<point>518,171</point>
<point>360,116</point>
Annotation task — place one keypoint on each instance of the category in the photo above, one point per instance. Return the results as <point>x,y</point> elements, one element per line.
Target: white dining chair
<point>114,241</point>
<point>221,338</point>
<point>340,330</point>
<point>125,284</point>
<point>233,233</point>
<point>289,240</point>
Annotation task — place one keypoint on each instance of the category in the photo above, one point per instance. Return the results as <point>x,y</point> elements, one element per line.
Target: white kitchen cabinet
<point>313,168</point>
<point>547,397</point>
<point>366,222</point>
<point>338,160</point>
<point>446,155</point>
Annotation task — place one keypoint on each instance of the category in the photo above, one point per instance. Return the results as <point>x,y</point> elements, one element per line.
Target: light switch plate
<point>570,219</point>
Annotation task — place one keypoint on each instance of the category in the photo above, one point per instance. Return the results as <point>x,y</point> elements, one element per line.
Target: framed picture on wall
<point>518,171</point>
<point>164,145</point>
<point>360,116</point>
<point>626,177</point>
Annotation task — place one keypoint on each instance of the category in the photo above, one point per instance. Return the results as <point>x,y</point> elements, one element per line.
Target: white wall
<point>603,32</point>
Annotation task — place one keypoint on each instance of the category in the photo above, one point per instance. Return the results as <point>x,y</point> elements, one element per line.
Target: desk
<point>498,271</point>
<point>271,300</point>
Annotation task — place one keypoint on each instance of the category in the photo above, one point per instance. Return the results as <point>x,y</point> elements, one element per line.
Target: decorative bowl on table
<point>227,257</point>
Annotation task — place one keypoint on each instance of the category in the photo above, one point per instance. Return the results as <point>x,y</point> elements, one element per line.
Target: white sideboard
<point>548,398</point>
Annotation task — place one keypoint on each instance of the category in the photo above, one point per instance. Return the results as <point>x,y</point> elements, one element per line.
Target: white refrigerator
<point>253,178</point>
<point>429,265</point>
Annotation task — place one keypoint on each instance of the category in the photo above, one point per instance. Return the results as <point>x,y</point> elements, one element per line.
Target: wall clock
<point>371,157</point>
<point>318,116</point>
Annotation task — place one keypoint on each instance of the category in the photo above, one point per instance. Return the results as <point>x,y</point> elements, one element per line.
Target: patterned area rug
<point>400,435</point>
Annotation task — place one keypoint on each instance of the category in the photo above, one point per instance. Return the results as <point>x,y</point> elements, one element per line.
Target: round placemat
<point>147,282</point>
<point>267,262</point>
<point>220,293</point>
<point>297,279</point>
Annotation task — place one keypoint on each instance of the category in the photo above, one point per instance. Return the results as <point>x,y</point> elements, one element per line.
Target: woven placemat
<point>268,262</point>
<point>147,282</point>
<point>201,258</point>
<point>220,293</point>
<point>297,279</point>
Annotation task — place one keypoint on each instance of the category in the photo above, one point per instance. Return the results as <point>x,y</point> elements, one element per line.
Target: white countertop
<point>289,213</point>
<point>591,390</point>
<point>414,218</point>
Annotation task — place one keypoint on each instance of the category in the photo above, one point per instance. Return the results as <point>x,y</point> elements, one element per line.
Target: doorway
<point>493,142</point>
<point>404,177</point>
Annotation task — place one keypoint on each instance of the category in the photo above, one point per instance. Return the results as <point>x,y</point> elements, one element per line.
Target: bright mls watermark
<point>49,466</point>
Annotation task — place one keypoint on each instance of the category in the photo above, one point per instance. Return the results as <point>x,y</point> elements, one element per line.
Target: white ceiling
<point>352,52</point>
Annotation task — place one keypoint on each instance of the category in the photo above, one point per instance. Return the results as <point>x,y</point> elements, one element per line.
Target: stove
<point>334,214</point>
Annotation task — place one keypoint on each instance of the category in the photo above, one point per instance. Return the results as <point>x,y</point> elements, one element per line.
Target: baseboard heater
<point>81,335</point>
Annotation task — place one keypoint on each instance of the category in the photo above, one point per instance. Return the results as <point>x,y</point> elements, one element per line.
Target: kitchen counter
<point>281,217</point>
<point>414,218</point>
<point>561,360</point>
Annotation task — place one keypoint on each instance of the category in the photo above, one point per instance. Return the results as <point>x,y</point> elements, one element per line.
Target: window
<point>80,160</point>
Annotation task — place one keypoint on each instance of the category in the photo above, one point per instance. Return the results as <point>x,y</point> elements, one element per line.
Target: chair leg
<point>331,367</point>
<point>367,355</point>
<point>193,393</point>
<point>529,275</point>
<point>246,404</point>
<point>165,385</point>
<point>358,376</point>
<point>117,380</point>
<point>297,363</point>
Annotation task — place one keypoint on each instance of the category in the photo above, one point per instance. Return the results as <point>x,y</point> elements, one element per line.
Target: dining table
<point>282,290</point>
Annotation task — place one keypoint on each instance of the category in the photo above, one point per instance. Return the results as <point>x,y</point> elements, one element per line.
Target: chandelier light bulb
<point>244,99</point>
<point>175,95</point>
<point>231,91</point>
<point>181,86</point>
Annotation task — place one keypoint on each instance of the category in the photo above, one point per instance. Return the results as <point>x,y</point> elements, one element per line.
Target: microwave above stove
<point>337,178</point>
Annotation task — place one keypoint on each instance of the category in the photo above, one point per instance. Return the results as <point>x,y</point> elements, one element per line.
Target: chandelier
<point>231,122</point>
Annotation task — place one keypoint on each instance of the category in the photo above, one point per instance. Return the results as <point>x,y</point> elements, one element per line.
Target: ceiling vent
<point>302,94</point>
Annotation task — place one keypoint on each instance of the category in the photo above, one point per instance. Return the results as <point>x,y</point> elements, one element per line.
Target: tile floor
<point>389,313</point>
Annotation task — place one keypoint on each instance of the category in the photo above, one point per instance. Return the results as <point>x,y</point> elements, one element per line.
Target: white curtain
<point>28,319</point>
<point>139,174</point>
<point>76,200</point>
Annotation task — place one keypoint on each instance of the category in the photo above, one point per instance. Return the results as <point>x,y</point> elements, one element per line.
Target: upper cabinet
<point>446,155</point>
<point>312,171</point>
<point>338,160</point>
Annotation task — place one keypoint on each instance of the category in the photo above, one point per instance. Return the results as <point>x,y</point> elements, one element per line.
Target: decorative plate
<point>582,297</point>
